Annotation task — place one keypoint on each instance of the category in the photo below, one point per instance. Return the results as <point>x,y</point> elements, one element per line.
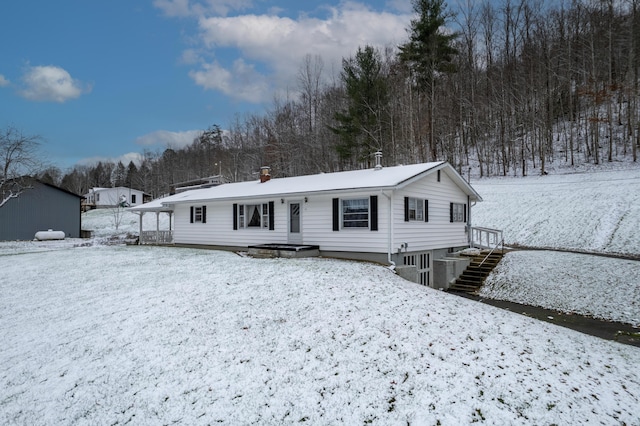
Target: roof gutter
<point>282,195</point>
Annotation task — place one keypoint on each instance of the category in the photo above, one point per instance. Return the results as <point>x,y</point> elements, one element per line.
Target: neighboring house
<point>113,197</point>
<point>39,208</point>
<point>400,215</point>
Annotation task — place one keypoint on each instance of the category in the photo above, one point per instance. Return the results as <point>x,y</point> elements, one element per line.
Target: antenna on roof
<point>378,155</point>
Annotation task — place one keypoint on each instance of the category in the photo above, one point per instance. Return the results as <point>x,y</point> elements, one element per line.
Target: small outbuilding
<point>403,215</point>
<point>40,207</point>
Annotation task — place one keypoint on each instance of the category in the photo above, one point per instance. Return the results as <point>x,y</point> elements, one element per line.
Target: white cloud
<point>279,45</point>
<point>51,83</point>
<point>3,81</point>
<point>241,82</point>
<point>165,138</point>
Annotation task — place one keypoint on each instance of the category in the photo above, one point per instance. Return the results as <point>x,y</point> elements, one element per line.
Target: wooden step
<point>474,275</point>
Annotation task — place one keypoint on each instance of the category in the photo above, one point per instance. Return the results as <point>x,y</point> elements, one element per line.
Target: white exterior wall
<point>317,221</point>
<point>438,232</point>
<point>219,227</point>
<point>318,225</point>
<point>108,197</point>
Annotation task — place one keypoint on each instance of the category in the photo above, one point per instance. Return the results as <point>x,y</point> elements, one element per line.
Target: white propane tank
<point>49,235</point>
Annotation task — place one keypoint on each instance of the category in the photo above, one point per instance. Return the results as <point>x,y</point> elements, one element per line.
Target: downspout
<point>390,231</point>
<point>469,236</point>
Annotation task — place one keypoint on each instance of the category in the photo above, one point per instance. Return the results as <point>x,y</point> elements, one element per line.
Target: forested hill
<point>494,88</point>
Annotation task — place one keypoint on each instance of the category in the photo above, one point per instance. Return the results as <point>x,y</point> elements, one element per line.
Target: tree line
<point>501,88</point>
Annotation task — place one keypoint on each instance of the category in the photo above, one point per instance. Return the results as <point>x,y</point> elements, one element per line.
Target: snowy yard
<point>596,211</point>
<point>112,334</point>
<point>594,286</point>
<point>148,335</point>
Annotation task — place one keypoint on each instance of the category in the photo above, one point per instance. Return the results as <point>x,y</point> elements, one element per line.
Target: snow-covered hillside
<point>595,211</point>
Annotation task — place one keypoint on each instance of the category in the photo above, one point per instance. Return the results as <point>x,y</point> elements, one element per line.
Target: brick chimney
<point>265,174</point>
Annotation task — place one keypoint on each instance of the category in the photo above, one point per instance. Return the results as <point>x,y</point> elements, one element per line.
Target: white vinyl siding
<point>438,232</point>
<point>317,220</point>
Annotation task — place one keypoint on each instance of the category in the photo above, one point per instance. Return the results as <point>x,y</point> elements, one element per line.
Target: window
<point>415,209</point>
<point>133,198</point>
<point>254,216</point>
<point>355,213</point>
<point>97,197</point>
<point>198,214</point>
<point>458,212</point>
<point>257,215</point>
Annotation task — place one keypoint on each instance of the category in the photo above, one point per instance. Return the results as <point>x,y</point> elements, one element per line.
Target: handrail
<point>492,236</point>
<point>491,252</point>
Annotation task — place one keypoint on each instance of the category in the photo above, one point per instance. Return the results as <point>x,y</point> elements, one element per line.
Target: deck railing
<point>487,238</point>
<point>156,237</point>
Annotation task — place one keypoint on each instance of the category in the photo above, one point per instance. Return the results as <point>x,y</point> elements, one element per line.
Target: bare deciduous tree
<point>18,162</point>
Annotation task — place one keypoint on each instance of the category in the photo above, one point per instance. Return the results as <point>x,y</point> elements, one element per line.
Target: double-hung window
<point>257,215</point>
<point>355,213</point>
<point>198,214</point>
<point>252,216</point>
<point>458,212</point>
<point>416,209</point>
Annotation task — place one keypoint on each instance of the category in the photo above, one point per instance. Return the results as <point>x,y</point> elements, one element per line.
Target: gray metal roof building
<point>40,208</point>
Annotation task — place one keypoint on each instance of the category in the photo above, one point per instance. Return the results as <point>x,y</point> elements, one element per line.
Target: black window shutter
<point>465,213</point>
<point>191,214</point>
<point>272,224</point>
<point>204,214</point>
<point>235,217</point>
<point>336,214</point>
<point>426,210</point>
<point>450,212</point>
<point>373,208</point>
<point>406,209</point>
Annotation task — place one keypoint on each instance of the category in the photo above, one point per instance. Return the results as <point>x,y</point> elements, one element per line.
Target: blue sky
<point>105,80</point>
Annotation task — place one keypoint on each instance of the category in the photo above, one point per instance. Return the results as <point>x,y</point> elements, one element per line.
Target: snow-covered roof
<point>368,179</point>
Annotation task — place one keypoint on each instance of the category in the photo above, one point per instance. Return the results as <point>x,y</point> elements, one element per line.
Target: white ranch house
<point>113,197</point>
<point>403,215</point>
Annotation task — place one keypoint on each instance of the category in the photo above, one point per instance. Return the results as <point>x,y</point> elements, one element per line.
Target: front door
<point>295,223</point>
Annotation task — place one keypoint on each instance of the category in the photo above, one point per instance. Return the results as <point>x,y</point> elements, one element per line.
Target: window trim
<point>420,205</point>
<point>196,216</point>
<point>355,213</point>
<point>338,213</point>
<point>266,211</point>
<point>457,212</point>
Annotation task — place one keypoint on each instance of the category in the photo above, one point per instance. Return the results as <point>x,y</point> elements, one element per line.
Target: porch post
<point>157,227</point>
<point>140,233</point>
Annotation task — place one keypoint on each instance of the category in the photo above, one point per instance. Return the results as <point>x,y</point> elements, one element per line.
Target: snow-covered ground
<point>96,332</point>
<point>589,285</point>
<point>595,211</point>
<point>151,335</point>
